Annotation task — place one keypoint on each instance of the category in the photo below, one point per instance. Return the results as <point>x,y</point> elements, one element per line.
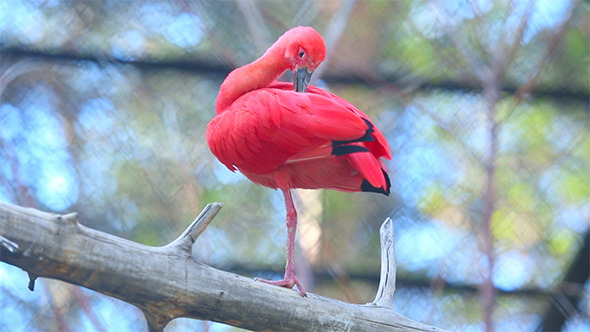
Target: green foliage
<point>418,54</point>
<point>575,187</point>
<point>561,242</point>
<point>434,202</point>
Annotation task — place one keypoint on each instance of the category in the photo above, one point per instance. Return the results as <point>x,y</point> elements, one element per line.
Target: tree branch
<point>166,282</point>
<point>386,289</point>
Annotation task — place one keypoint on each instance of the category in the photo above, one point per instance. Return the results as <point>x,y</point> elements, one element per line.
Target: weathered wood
<point>166,282</point>
<point>386,288</point>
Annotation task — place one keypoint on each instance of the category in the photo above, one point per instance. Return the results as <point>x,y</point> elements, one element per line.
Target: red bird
<point>290,135</point>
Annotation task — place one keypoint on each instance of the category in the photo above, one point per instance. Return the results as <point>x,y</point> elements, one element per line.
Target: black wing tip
<point>341,150</point>
<point>367,187</point>
<point>370,125</point>
<point>367,137</point>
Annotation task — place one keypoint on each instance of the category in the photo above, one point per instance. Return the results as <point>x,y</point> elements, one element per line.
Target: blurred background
<point>485,104</point>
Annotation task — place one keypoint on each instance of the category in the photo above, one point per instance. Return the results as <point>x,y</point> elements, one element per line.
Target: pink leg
<point>290,279</point>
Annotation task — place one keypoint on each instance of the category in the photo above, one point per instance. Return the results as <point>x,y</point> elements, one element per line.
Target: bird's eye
<point>301,54</point>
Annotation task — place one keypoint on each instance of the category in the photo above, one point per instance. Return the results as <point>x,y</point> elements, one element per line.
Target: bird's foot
<point>288,282</point>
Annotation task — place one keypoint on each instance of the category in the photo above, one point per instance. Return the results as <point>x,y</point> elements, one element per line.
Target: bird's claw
<point>287,282</point>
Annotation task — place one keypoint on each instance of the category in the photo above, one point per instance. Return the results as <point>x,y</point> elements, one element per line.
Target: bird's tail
<point>373,171</point>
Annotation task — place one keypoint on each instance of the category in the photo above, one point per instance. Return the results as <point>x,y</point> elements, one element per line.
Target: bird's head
<point>304,52</point>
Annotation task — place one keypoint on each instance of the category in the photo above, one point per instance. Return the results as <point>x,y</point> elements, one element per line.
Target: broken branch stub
<point>384,297</point>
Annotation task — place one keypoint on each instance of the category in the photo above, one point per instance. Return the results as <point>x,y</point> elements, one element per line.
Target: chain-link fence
<point>104,106</point>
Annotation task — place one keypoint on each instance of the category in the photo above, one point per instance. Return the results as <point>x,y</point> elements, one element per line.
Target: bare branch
<point>334,33</point>
<point>307,12</point>
<point>255,23</point>
<point>555,39</point>
<point>386,289</point>
<point>166,283</point>
<point>528,87</point>
<point>476,65</point>
<point>505,52</point>
<point>185,241</point>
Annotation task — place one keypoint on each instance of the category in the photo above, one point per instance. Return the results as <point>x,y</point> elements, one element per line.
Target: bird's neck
<point>256,75</point>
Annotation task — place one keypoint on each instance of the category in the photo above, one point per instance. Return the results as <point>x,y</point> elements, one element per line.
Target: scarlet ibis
<point>290,135</point>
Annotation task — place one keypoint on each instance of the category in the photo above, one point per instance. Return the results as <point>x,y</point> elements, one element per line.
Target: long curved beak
<point>301,79</point>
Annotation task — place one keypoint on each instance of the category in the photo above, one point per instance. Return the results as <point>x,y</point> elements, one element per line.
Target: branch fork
<point>185,241</point>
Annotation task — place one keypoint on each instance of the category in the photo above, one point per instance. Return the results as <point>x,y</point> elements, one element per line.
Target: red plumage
<point>280,138</point>
<point>276,129</point>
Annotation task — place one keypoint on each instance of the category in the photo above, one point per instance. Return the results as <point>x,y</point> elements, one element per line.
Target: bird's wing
<point>377,145</point>
<point>270,127</point>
